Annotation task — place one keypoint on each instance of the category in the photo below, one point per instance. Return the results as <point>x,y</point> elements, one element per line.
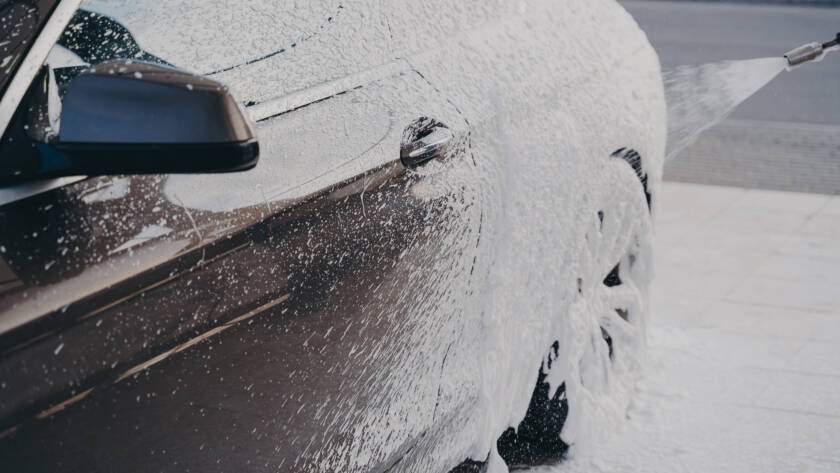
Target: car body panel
<point>155,273</point>
<point>551,91</point>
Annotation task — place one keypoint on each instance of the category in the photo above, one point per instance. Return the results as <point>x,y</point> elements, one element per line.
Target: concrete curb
<point>795,157</point>
<point>813,3</point>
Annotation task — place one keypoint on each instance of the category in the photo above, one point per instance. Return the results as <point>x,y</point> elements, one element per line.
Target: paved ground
<point>787,136</point>
<point>743,373</point>
<point>832,3</point>
<point>765,155</point>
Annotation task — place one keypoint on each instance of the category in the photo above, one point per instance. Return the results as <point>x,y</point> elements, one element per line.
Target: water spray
<point>810,52</point>
<point>699,97</point>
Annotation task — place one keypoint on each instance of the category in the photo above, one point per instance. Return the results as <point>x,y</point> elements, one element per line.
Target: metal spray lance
<point>810,52</point>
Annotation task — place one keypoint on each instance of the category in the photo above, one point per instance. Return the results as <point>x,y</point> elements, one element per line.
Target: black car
<point>372,236</point>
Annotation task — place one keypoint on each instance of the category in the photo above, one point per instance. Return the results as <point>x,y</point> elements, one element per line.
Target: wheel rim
<point>603,343</point>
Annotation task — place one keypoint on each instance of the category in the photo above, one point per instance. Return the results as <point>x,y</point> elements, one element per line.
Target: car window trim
<point>23,190</point>
<point>31,64</point>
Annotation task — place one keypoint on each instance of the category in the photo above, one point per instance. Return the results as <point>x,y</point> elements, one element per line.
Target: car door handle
<point>426,144</point>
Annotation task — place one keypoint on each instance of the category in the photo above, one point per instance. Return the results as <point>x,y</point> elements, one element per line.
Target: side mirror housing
<point>132,117</point>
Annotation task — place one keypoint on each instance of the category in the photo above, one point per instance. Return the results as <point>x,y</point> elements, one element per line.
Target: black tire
<point>537,439</point>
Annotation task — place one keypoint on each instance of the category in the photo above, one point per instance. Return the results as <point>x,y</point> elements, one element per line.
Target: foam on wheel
<point>590,375</point>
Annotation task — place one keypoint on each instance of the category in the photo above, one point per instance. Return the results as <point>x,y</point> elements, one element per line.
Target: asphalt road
<point>787,136</point>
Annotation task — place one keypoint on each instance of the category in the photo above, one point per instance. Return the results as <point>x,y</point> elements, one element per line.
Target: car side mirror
<point>130,117</point>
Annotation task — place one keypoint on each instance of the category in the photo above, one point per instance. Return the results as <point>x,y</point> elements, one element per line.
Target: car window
<point>209,35</point>
<point>20,22</point>
<point>202,36</point>
<point>91,38</point>
<point>262,49</point>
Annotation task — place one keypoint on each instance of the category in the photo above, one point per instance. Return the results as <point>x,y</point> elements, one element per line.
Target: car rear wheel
<point>586,379</point>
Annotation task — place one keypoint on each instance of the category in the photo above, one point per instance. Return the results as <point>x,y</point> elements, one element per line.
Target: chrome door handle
<point>429,143</point>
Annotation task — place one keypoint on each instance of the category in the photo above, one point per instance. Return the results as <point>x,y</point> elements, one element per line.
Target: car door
<point>297,316</point>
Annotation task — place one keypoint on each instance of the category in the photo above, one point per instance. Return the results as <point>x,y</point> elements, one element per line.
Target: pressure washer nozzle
<point>809,52</point>
<point>832,43</point>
